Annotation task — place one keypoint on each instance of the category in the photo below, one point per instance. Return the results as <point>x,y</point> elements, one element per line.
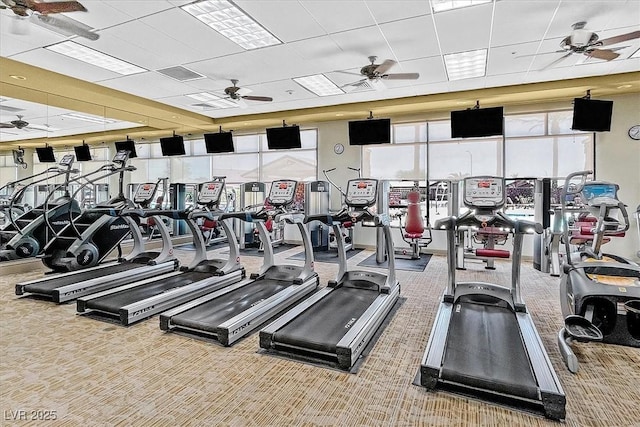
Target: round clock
<point>634,132</point>
<point>338,148</point>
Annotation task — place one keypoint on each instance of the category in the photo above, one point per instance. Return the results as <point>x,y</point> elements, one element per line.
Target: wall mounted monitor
<point>83,154</point>
<point>45,155</point>
<point>592,115</point>
<point>172,146</point>
<point>283,138</point>
<point>477,122</point>
<point>221,142</point>
<point>127,145</point>
<point>370,131</point>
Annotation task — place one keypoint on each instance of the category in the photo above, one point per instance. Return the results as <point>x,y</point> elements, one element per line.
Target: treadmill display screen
<point>591,191</point>
<point>361,192</point>
<point>282,192</point>
<point>144,193</point>
<point>210,192</point>
<point>67,160</point>
<point>483,191</point>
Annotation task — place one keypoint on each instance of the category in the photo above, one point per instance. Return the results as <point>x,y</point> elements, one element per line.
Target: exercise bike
<point>599,293</point>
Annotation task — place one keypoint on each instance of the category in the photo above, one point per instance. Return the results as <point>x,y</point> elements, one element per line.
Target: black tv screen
<point>127,145</point>
<point>592,115</point>
<point>370,131</point>
<point>45,155</point>
<point>477,122</point>
<point>283,138</point>
<point>219,142</point>
<point>83,154</point>
<point>172,146</point>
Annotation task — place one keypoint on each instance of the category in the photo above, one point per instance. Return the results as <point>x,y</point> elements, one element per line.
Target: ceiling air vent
<point>180,73</point>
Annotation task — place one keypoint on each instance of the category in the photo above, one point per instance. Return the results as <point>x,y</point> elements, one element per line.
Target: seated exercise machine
<point>89,238</point>
<point>483,342</point>
<point>71,285</point>
<point>335,324</point>
<point>27,235</point>
<point>488,237</point>
<point>413,229</point>
<point>235,311</point>
<point>142,299</point>
<point>599,293</point>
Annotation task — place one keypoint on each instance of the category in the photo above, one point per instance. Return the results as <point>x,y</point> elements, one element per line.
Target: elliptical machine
<point>599,293</point>
<point>89,238</point>
<point>27,235</point>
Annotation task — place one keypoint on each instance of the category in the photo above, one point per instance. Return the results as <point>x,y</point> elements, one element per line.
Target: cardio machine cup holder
<point>632,308</point>
<point>581,329</point>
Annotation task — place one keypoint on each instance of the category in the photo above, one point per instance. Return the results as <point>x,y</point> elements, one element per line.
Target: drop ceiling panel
<point>270,14</point>
<point>412,38</point>
<point>137,9</point>
<point>324,54</point>
<point>521,21</point>
<point>33,35</point>
<point>599,15</point>
<point>394,10</point>
<point>464,29</point>
<point>101,14</point>
<point>362,43</point>
<point>244,67</point>
<point>335,16</point>
<point>511,59</point>
<point>148,85</point>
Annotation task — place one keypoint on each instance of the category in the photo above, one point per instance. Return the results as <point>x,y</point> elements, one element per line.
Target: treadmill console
<point>144,193</point>
<point>593,190</point>
<point>282,192</point>
<point>121,157</point>
<point>67,160</point>
<point>484,192</point>
<point>361,193</point>
<point>210,193</point>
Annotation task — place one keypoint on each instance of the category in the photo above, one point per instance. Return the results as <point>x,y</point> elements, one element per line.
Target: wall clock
<point>338,148</point>
<point>634,132</point>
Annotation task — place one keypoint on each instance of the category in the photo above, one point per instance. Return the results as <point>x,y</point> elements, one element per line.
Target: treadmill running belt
<point>323,325</point>
<point>211,314</point>
<point>46,286</point>
<point>114,302</point>
<point>485,350</point>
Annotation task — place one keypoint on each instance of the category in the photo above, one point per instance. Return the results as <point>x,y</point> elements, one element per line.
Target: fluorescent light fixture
<point>93,57</point>
<point>213,100</point>
<point>232,22</point>
<point>441,5</point>
<point>86,118</point>
<point>319,84</point>
<point>465,65</point>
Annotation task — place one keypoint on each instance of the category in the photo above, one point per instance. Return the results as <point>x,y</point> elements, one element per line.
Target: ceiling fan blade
<point>6,125</point>
<point>241,103</point>
<point>605,54</point>
<point>385,66</point>
<point>258,98</point>
<point>243,91</point>
<point>401,76</point>
<point>57,7</point>
<point>20,25</point>
<point>65,26</point>
<point>618,39</point>
<point>351,73</point>
<point>557,61</point>
<point>44,128</point>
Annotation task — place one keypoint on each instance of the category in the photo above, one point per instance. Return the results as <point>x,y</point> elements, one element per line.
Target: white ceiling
<point>333,37</point>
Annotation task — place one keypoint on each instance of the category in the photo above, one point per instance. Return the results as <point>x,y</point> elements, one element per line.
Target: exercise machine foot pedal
<point>581,329</point>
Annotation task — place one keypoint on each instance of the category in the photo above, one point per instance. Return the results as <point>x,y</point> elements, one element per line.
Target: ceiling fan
<point>373,73</point>
<point>586,42</point>
<point>22,124</point>
<point>239,94</point>
<point>40,13</point>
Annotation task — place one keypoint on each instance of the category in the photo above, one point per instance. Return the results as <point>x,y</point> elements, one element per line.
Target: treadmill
<point>335,324</point>
<point>140,300</point>
<point>483,342</point>
<point>141,265</point>
<point>235,311</point>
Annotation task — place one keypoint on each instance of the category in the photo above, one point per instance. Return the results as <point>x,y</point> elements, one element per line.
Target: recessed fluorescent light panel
<point>93,57</point>
<point>232,22</point>
<point>213,100</point>
<point>319,84</point>
<point>465,65</point>
<point>441,5</point>
<point>86,118</point>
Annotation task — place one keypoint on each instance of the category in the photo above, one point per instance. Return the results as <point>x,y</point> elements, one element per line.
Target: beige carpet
<point>94,373</point>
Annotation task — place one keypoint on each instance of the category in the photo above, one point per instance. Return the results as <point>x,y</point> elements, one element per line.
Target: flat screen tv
<point>221,142</point>
<point>83,154</point>
<point>283,138</point>
<point>127,145</point>
<point>592,115</point>
<point>370,131</point>
<point>45,155</point>
<point>172,146</point>
<point>475,123</point>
